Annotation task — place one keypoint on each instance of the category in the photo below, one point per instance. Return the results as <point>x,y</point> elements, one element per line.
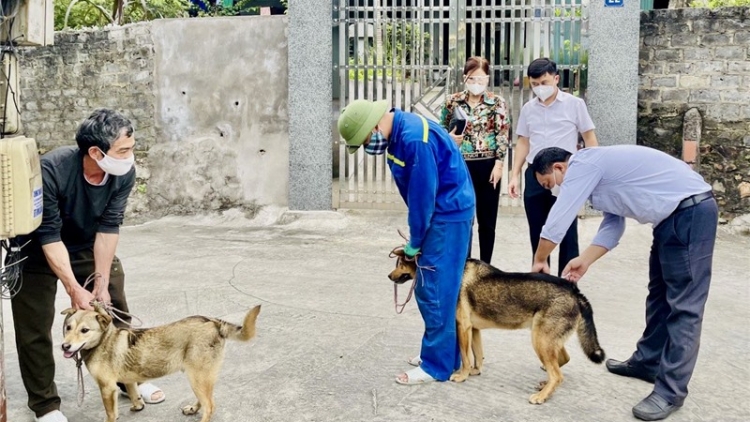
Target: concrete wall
<point>208,98</point>
<point>61,84</point>
<point>221,113</point>
<point>699,58</point>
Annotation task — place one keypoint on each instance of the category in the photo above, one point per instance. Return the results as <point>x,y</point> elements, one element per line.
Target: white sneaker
<point>53,416</point>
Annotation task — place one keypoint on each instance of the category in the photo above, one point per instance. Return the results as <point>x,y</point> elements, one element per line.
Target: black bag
<point>458,121</point>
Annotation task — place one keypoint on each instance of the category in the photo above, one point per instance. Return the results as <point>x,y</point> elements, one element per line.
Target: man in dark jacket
<point>85,190</point>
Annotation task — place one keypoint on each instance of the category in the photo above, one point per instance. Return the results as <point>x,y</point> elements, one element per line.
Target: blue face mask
<point>378,144</point>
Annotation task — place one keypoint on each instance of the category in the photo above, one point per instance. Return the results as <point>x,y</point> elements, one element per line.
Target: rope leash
<point>111,310</point>
<point>420,268</point>
<point>79,368</point>
<point>408,297</point>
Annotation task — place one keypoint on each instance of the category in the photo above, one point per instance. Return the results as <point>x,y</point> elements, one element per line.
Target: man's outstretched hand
<point>575,269</point>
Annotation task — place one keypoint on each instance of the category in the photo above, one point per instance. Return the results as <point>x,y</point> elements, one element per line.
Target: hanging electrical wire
<point>10,274</point>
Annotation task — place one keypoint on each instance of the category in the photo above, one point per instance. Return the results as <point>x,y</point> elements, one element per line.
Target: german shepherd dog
<point>194,345</point>
<point>489,298</point>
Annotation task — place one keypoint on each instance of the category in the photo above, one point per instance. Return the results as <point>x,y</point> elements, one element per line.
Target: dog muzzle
<point>402,279</point>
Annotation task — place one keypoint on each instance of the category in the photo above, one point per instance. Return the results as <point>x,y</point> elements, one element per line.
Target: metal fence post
<point>457,43</point>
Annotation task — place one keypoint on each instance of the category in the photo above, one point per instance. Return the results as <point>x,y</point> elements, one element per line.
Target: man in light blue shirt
<point>651,187</point>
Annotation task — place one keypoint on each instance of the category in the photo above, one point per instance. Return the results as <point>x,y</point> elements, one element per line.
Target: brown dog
<point>194,345</point>
<point>489,298</point>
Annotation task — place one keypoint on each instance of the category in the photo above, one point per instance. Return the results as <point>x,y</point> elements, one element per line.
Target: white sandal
<point>416,376</point>
<point>53,416</point>
<point>415,361</point>
<point>147,391</point>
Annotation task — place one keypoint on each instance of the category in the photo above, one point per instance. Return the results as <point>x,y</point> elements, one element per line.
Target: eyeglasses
<point>476,79</point>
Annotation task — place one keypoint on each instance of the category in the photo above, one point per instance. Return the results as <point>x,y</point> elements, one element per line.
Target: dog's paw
<point>475,371</point>
<point>137,405</point>
<point>190,409</point>
<point>537,398</point>
<point>459,377</point>
<point>541,385</point>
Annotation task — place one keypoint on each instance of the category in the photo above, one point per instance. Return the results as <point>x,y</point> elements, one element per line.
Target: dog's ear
<point>99,307</point>
<point>68,312</point>
<point>104,320</point>
<point>397,252</point>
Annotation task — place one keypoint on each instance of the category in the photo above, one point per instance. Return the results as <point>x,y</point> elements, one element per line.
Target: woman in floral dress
<point>483,143</point>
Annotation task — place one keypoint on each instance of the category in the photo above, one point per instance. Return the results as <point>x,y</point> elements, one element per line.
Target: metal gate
<point>412,52</point>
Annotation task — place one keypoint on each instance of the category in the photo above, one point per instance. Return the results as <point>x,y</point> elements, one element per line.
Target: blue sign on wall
<point>614,3</point>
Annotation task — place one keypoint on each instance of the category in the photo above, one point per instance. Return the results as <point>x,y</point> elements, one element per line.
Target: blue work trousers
<point>443,258</point>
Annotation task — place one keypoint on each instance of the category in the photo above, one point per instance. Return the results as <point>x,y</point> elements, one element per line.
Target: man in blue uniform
<point>651,187</point>
<point>433,180</point>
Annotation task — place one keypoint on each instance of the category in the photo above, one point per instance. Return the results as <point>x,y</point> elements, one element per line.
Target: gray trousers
<point>680,276</point>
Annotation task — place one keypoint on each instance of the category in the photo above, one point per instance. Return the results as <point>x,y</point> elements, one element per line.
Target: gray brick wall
<point>700,58</point>
<point>61,84</point>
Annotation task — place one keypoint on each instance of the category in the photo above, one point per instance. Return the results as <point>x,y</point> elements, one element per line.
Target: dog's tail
<point>244,333</point>
<point>587,331</point>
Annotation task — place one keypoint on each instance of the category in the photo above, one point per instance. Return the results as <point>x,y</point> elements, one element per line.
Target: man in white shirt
<point>552,119</point>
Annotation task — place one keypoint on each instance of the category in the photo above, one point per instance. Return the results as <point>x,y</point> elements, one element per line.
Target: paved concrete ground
<point>329,342</point>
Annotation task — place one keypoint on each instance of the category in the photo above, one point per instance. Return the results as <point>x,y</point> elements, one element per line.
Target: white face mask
<point>555,190</point>
<point>543,91</point>
<point>116,166</point>
<point>476,89</point>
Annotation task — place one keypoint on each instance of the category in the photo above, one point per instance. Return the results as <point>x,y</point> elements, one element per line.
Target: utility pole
<point>22,23</point>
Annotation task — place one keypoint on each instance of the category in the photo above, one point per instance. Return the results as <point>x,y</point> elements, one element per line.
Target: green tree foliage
<point>398,48</point>
<point>399,43</point>
<point>97,13</point>
<point>713,4</point>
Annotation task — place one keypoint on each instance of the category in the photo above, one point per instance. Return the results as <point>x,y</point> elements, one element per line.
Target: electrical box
<point>21,200</point>
<point>10,99</point>
<point>33,25</point>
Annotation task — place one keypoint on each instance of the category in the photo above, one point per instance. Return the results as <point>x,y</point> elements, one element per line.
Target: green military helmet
<point>357,121</point>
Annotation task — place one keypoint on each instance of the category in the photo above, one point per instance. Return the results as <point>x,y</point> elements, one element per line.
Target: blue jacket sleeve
<point>423,182</point>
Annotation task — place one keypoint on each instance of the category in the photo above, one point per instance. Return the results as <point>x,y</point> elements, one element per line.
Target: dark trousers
<point>680,275</point>
<point>33,315</point>
<point>488,200</point>
<point>537,202</point>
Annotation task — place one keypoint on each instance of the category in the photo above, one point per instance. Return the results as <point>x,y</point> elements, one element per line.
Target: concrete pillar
<point>310,96</point>
<point>612,93</point>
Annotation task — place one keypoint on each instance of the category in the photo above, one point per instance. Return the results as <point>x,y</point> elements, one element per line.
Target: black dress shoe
<point>653,408</point>
<point>627,370</point>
